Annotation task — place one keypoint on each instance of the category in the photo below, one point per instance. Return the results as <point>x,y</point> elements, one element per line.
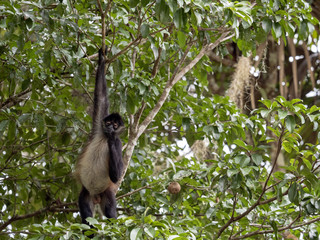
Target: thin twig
<point>103,30</point>
<point>279,229</point>
<point>13,100</point>
<point>36,213</point>
<point>86,91</point>
<point>177,76</point>
<point>135,130</point>
<point>134,191</point>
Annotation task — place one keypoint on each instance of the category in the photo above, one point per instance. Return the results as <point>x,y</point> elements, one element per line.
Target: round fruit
<point>174,188</point>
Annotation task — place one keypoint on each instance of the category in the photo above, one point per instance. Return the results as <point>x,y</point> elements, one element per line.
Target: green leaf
<point>267,103</point>
<point>236,181</point>
<point>186,123</point>
<point>117,68</point>
<point>287,146</point>
<point>144,30</point>
<point>150,231</point>
<point>92,221</point>
<point>29,23</point>
<point>39,123</point>
<point>245,171</point>
<point>180,18</point>
<point>182,37</point>
<point>135,233</point>
<point>223,183</point>
<point>277,29</point>
<point>264,112</point>
<point>279,194</point>
<point>232,172</point>
<point>12,130</point>
<point>196,18</point>
<point>307,163</point>
<point>290,30</point>
<point>257,159</point>
<point>266,25</point>
<point>47,58</point>
<point>182,174</point>
<point>275,229</point>
<point>48,20</point>
<point>303,30</point>
<point>240,143</point>
<point>315,126</point>
<point>162,11</point>
<point>3,125</point>
<point>133,3</point>
<point>282,113</point>
<point>290,123</point>
<point>243,160</point>
<point>65,138</point>
<point>293,193</point>
<point>314,108</point>
<point>144,2</point>
<point>131,106</point>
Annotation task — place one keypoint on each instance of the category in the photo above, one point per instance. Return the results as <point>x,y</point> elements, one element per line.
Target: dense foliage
<point>226,161</point>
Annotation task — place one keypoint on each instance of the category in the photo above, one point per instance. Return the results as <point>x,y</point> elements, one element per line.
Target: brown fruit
<point>174,188</point>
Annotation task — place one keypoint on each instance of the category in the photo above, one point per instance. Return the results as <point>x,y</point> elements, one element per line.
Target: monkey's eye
<point>115,126</point>
<point>108,123</point>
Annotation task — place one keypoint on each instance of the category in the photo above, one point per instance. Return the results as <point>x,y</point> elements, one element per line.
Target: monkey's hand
<point>101,57</point>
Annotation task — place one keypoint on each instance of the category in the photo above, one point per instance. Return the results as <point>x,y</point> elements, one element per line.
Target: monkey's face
<point>113,124</point>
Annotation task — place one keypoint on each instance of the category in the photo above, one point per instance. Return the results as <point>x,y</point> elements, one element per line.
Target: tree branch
<point>13,100</point>
<point>176,77</point>
<point>135,130</point>
<point>133,192</point>
<point>215,58</point>
<point>51,207</point>
<point>103,32</point>
<point>126,48</point>
<point>279,229</point>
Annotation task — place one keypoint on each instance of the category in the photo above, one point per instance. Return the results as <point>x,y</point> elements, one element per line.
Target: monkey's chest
<point>94,170</point>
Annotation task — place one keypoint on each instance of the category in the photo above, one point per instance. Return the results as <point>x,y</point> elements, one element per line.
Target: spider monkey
<point>100,165</point>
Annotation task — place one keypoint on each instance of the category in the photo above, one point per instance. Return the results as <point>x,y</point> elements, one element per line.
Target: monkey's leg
<point>85,205</point>
<point>108,203</point>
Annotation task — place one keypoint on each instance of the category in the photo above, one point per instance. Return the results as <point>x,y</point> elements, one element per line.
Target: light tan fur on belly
<point>92,168</point>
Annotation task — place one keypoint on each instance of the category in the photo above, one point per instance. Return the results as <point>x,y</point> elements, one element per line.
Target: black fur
<point>85,206</point>
<point>115,163</point>
<point>106,128</point>
<point>108,204</point>
<point>108,125</point>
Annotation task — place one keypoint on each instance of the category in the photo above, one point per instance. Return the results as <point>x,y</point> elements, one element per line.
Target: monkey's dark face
<point>112,124</point>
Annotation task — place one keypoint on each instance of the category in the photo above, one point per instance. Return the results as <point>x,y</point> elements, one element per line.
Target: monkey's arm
<point>101,103</point>
<point>115,163</point>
